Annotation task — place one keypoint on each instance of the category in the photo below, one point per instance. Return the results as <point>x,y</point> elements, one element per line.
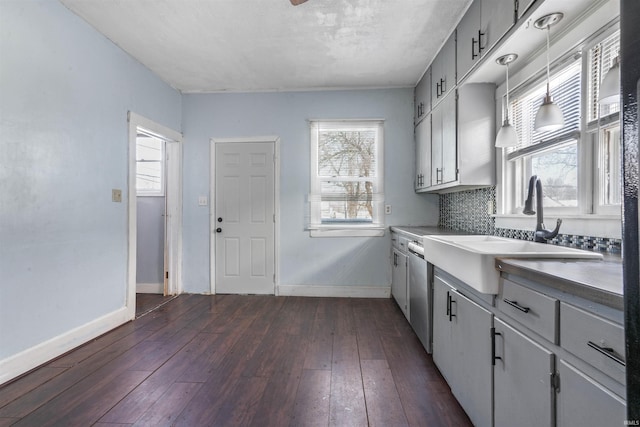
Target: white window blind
<point>565,90</point>
<point>601,57</point>
<point>346,174</point>
<point>149,165</point>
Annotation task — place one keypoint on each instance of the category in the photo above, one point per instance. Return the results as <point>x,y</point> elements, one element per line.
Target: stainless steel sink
<point>471,258</point>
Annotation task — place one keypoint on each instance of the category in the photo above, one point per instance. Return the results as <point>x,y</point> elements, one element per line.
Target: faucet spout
<point>541,234</point>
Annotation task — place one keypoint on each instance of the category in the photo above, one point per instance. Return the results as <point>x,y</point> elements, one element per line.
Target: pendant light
<point>609,92</point>
<point>507,136</point>
<point>549,116</point>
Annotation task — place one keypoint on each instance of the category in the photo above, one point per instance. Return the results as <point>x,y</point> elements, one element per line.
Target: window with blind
<point>346,178</point>
<point>149,165</point>
<point>552,156</point>
<point>579,164</point>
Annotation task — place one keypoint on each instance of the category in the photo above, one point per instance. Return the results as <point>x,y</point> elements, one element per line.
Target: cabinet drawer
<point>536,311</point>
<point>593,339</point>
<point>403,244</point>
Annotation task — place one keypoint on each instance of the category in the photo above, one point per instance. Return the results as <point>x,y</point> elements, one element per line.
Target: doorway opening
<point>155,197</point>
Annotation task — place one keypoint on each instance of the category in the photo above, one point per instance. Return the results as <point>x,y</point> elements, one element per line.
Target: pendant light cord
<point>508,105</point>
<point>548,66</point>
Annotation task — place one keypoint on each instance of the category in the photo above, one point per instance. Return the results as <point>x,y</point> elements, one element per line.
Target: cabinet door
<point>422,96</point>
<point>443,71</point>
<point>423,154</point>
<point>442,330</point>
<point>584,402</point>
<point>449,166</point>
<point>399,280</point>
<point>523,393</point>
<point>497,17</point>
<point>523,6</point>
<point>436,145</point>
<point>467,52</point>
<point>472,344</point>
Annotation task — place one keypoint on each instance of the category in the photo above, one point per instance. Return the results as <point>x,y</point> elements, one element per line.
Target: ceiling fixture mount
<point>507,136</point>
<point>297,2</point>
<point>549,116</point>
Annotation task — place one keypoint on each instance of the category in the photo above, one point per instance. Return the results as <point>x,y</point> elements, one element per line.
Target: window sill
<point>347,232</point>
<point>609,226</point>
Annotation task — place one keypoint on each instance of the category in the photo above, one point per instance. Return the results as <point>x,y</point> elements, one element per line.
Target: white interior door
<point>244,217</point>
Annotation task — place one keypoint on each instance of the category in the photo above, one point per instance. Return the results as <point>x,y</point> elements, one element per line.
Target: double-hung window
<point>149,165</point>
<point>347,183</point>
<point>579,164</point>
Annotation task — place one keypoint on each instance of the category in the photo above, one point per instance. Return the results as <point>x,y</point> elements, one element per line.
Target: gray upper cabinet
<point>423,154</point>
<point>443,71</point>
<point>422,96</point>
<point>485,22</point>
<point>523,6</point>
<point>444,167</point>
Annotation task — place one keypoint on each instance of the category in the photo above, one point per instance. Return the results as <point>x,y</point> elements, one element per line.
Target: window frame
<point>590,218</point>
<point>316,226</point>
<point>141,192</point>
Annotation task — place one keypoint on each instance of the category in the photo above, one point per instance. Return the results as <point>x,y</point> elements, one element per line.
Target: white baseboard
<point>26,360</point>
<point>335,291</point>
<point>150,288</point>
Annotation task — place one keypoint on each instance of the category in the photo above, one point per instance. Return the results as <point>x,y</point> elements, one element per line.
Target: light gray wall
<point>64,95</point>
<point>150,239</point>
<point>304,260</point>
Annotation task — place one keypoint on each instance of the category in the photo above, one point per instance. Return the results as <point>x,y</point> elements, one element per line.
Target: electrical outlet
<point>387,209</point>
<point>116,195</point>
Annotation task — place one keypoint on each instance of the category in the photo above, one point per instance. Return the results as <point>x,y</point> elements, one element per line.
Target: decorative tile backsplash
<point>468,211</point>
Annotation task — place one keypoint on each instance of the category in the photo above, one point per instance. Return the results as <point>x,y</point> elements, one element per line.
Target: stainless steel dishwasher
<point>420,294</point>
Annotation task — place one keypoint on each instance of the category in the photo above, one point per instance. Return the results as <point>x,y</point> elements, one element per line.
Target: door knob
<point>218,230</point>
<point>219,219</point>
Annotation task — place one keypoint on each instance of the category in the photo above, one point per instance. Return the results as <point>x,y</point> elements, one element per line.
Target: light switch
<point>203,201</point>
<point>116,195</point>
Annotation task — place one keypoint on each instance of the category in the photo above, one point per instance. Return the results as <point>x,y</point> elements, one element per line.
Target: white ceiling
<point>261,45</point>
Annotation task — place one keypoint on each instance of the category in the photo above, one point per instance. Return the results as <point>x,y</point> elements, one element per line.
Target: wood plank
<point>312,399</point>
<point>151,390</point>
<point>87,408</point>
<point>347,404</point>
<point>37,397</point>
<point>369,344</point>
<point>384,407</point>
<point>17,388</point>
<point>240,404</point>
<point>170,404</point>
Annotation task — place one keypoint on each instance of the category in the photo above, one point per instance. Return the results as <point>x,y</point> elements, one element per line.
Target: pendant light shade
<point>610,86</point>
<point>507,135</point>
<point>549,116</point>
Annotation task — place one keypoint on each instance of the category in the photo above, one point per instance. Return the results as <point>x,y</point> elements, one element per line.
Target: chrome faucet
<point>541,235</point>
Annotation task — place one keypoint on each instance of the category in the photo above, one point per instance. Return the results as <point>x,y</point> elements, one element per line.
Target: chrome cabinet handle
<point>607,351</point>
<point>515,304</point>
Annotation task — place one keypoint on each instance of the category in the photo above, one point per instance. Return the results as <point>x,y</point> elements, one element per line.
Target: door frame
<point>275,140</point>
<point>173,210</point>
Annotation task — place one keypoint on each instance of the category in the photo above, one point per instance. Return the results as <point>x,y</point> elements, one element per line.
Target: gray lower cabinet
<point>462,350</point>
<point>399,280</point>
<point>576,388</point>
<point>523,375</point>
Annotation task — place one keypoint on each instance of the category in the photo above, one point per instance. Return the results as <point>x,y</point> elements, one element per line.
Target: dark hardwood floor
<point>148,302</point>
<point>230,360</point>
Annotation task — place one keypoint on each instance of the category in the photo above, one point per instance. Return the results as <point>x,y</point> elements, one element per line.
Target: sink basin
<point>472,258</point>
